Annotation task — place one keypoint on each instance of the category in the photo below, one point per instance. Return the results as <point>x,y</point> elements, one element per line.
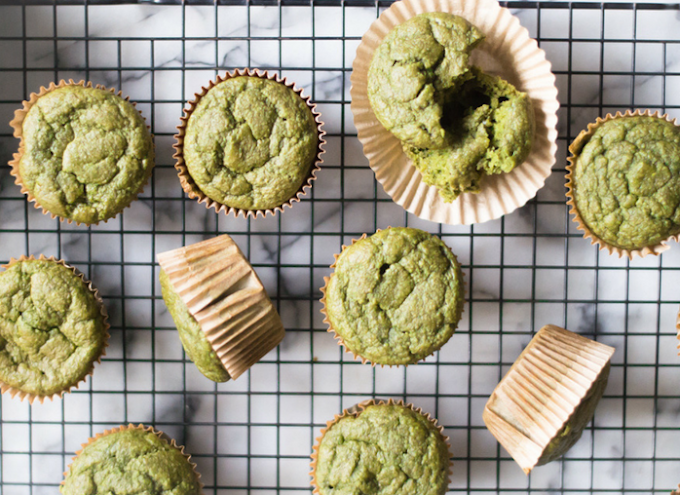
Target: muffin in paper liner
<point>338,338</point>
<point>188,184</point>
<point>508,52</point>
<point>358,409</point>
<point>162,436</point>
<point>16,392</point>
<point>538,399</point>
<point>17,125</point>
<point>227,299</point>
<point>574,148</point>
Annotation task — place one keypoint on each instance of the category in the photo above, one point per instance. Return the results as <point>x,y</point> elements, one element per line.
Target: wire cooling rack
<point>525,270</point>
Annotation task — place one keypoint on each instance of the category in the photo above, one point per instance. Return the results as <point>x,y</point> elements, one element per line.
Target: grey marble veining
<point>256,431</point>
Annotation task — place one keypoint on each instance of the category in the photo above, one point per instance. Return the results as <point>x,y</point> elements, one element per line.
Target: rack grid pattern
<point>530,268</point>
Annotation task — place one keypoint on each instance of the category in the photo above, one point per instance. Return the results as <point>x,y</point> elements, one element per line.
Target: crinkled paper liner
<point>509,52</point>
<point>575,147</point>
<point>677,327</point>
<point>17,125</point>
<point>337,337</point>
<point>140,426</point>
<point>188,184</point>
<point>546,384</point>
<point>224,294</point>
<point>16,392</point>
<point>358,409</point>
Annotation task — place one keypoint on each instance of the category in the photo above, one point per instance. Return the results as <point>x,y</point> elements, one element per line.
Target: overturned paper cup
<point>508,52</point>
<point>541,406</point>
<point>190,186</point>
<point>59,344</point>
<point>416,324</point>
<point>146,460</point>
<point>226,298</point>
<point>439,450</point>
<point>575,149</point>
<point>65,184</point>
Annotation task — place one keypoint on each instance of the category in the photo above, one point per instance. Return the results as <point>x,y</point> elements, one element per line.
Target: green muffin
<point>86,153</point>
<point>626,180</point>
<point>385,449</point>
<point>250,143</point>
<point>131,461</point>
<point>413,73</point>
<point>395,297</point>
<point>491,128</point>
<point>573,429</point>
<point>194,340</point>
<point>52,328</point>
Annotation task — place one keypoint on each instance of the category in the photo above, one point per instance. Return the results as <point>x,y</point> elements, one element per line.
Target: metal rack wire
<point>525,270</point>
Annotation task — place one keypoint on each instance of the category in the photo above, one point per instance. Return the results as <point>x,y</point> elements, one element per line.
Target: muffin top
<point>413,71</point>
<point>131,461</point>
<point>250,143</point>
<point>51,327</point>
<point>195,343</point>
<point>626,181</point>
<point>87,153</point>
<point>385,449</point>
<point>395,297</point>
<point>492,125</point>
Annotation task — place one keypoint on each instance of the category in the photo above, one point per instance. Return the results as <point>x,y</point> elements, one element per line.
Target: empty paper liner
<point>227,299</point>
<point>539,409</point>
<point>508,52</point>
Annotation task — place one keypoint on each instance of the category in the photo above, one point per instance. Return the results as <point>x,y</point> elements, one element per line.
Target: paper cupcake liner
<point>227,299</point>
<point>677,327</point>
<point>509,52</point>
<point>140,426</point>
<point>337,336</point>
<point>574,148</point>
<point>17,123</point>
<point>543,388</point>
<point>188,184</point>
<point>16,392</point>
<point>358,409</point>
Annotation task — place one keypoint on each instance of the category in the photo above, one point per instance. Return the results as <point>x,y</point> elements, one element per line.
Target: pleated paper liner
<point>358,409</point>
<point>17,125</point>
<point>536,398</point>
<point>575,147</point>
<point>227,299</point>
<point>508,52</point>
<point>140,426</point>
<point>16,392</point>
<point>188,184</point>
<point>337,336</point>
<point>677,327</point>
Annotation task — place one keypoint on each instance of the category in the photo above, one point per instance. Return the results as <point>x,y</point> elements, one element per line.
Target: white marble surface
<point>257,432</point>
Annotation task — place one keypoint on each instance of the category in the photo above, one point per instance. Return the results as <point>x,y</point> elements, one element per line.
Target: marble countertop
<point>254,435</point>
